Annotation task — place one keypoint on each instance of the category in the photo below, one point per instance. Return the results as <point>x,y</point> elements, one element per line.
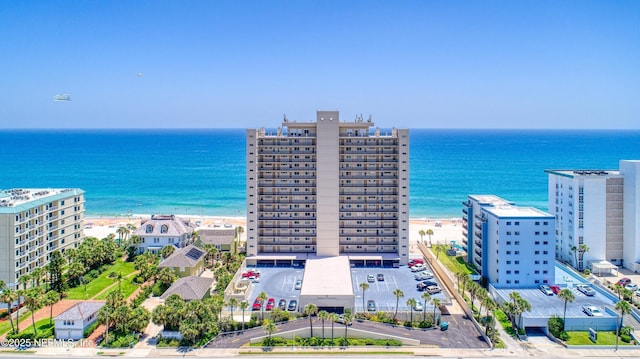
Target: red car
<point>623,281</point>
<point>271,303</point>
<point>414,262</point>
<point>555,289</point>
<point>257,304</point>
<point>250,273</point>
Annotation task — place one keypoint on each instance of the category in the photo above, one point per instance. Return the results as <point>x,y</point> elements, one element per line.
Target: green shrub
<point>90,329</point>
<point>625,338</point>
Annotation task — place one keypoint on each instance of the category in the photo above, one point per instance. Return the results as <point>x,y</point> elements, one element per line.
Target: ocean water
<point>201,172</point>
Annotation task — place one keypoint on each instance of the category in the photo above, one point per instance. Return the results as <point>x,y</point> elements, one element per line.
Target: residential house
<point>163,230</point>
<point>187,261</point>
<point>190,288</point>
<point>72,323</point>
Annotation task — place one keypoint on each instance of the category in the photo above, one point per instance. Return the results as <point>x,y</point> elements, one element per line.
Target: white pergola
<point>603,266</point>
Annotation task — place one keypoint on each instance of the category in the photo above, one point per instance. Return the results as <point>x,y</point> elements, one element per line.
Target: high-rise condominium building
<point>328,188</point>
<point>511,246</point>
<point>34,223</point>
<point>597,216</point>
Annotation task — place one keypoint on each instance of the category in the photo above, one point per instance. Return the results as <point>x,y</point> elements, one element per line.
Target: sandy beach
<point>444,230</point>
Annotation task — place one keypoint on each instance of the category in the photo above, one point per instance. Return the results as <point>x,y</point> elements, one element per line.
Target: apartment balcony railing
<point>465,211</point>
<point>285,185</point>
<point>478,244</point>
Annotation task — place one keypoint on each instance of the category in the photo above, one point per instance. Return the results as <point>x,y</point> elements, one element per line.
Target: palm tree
<point>243,305</point>
<point>52,297</point>
<point>167,250</point>
<point>364,286</point>
<point>582,249</point>
<point>269,328</point>
<point>625,308</point>
<point>430,233</point>
<point>438,251</point>
<point>8,296</point>
<point>436,304</point>
<point>347,317</point>
<point>323,315</point>
<point>422,233</point>
<point>310,309</point>
<point>32,300</point>
<point>473,291</point>
<point>117,276</point>
<point>263,297</point>
<point>398,294</point>
<point>334,318</point>
<point>233,302</point>
<point>426,297</point>
<point>411,302</point>
<point>568,296</point>
<point>36,276</point>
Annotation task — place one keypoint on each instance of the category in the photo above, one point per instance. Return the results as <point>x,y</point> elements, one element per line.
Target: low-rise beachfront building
<point>163,230</point>
<point>597,216</point>
<point>190,288</point>
<point>221,238</point>
<point>510,246</point>
<point>328,188</point>
<point>72,323</point>
<point>187,261</point>
<point>33,224</point>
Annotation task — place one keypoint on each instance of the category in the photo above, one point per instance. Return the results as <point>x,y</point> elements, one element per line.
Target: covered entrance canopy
<point>603,266</point>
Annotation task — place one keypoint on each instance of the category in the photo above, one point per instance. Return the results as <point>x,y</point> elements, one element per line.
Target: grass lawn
<point>5,326</point>
<point>42,325</point>
<point>453,264</point>
<point>103,281</point>
<point>582,338</point>
<point>126,286</point>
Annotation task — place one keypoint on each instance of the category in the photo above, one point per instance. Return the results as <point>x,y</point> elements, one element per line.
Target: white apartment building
<point>510,246</point>
<point>597,215</point>
<point>163,230</point>
<point>328,188</point>
<point>34,223</point>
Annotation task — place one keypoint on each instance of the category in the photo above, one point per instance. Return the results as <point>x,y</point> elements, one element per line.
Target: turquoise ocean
<point>202,171</point>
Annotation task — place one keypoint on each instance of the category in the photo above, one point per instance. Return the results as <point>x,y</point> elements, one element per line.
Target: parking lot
<point>279,283</point>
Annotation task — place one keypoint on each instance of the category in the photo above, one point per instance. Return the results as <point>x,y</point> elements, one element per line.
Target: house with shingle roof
<point>72,323</point>
<point>190,288</point>
<point>163,230</point>
<point>187,261</point>
<point>221,238</point>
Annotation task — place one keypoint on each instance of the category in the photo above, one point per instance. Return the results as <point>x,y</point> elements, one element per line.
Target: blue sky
<point>417,64</point>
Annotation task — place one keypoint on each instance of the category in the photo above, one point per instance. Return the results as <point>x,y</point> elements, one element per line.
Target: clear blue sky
<point>417,64</point>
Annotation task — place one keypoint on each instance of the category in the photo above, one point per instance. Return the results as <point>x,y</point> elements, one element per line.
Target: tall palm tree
<point>263,297</point>
<point>426,297</point>
<point>582,249</point>
<point>52,297</point>
<point>310,309</point>
<point>323,315</point>
<point>436,303</point>
<point>243,305</point>
<point>411,302</point>
<point>474,288</point>
<point>347,317</point>
<point>8,296</point>
<point>625,308</point>
<point>430,233</point>
<point>364,286</point>
<point>334,318</point>
<point>567,296</point>
<point>269,328</point>
<point>422,233</point>
<point>33,302</point>
<point>398,294</point>
<point>233,302</point>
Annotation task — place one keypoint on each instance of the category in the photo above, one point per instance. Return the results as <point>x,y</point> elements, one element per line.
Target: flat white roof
<point>517,211</point>
<point>327,276</point>
<point>489,199</point>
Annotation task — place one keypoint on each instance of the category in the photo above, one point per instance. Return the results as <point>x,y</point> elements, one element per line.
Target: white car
<point>418,307</point>
<point>631,286</point>
<point>418,268</point>
<point>637,293</point>
<point>546,289</point>
<point>423,275</point>
<point>591,310</point>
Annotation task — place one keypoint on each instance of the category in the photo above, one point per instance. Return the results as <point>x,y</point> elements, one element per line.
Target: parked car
<point>586,290</point>
<point>546,289</point>
<point>380,277</point>
<point>414,262</point>
<point>371,305</point>
<point>631,286</point>
<point>371,278</point>
<point>282,304</point>
<point>433,289</point>
<point>257,304</point>
<point>623,281</point>
<point>555,289</point>
<point>591,311</point>
<point>429,282</point>
<point>418,307</point>
<point>271,303</point>
<point>293,305</point>
<point>342,321</point>
<point>418,268</point>
<point>250,273</point>
<point>423,275</point>
<point>298,285</point>
<point>637,293</point>
<point>421,287</point>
